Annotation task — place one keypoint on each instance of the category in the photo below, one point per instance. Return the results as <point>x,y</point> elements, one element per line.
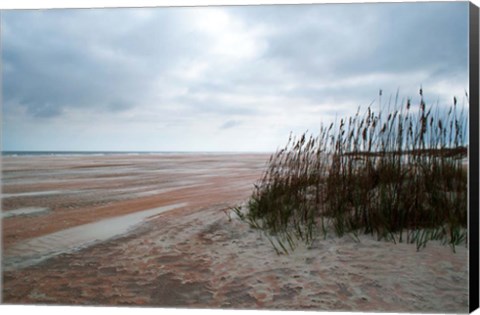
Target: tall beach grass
<point>398,175</point>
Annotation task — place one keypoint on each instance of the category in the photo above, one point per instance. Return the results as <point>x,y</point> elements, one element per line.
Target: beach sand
<point>175,245</point>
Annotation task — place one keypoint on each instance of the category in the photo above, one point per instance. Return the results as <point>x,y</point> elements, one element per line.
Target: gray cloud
<point>334,40</point>
<point>78,58</point>
<point>230,124</point>
<point>331,43</point>
<point>280,66</point>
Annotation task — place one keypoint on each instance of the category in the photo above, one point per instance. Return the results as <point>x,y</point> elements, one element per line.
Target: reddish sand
<point>93,188</point>
<point>199,254</point>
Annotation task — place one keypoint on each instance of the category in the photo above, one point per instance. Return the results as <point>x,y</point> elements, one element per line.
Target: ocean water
<point>92,153</point>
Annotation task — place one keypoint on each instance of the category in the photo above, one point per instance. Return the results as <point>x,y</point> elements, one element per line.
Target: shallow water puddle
<point>161,191</point>
<point>39,193</point>
<point>24,211</point>
<point>33,251</point>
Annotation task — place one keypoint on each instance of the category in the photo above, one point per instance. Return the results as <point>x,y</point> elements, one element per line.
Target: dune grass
<point>396,174</point>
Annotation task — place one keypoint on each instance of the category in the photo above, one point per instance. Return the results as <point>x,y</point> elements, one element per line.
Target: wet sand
<point>180,248</point>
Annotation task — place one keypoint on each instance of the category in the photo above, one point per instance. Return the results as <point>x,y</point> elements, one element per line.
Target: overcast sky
<point>217,78</point>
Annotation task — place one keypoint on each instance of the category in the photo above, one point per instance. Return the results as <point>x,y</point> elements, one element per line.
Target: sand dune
<point>196,255</point>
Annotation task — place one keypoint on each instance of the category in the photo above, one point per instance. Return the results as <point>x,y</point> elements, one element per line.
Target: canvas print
<point>285,157</point>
